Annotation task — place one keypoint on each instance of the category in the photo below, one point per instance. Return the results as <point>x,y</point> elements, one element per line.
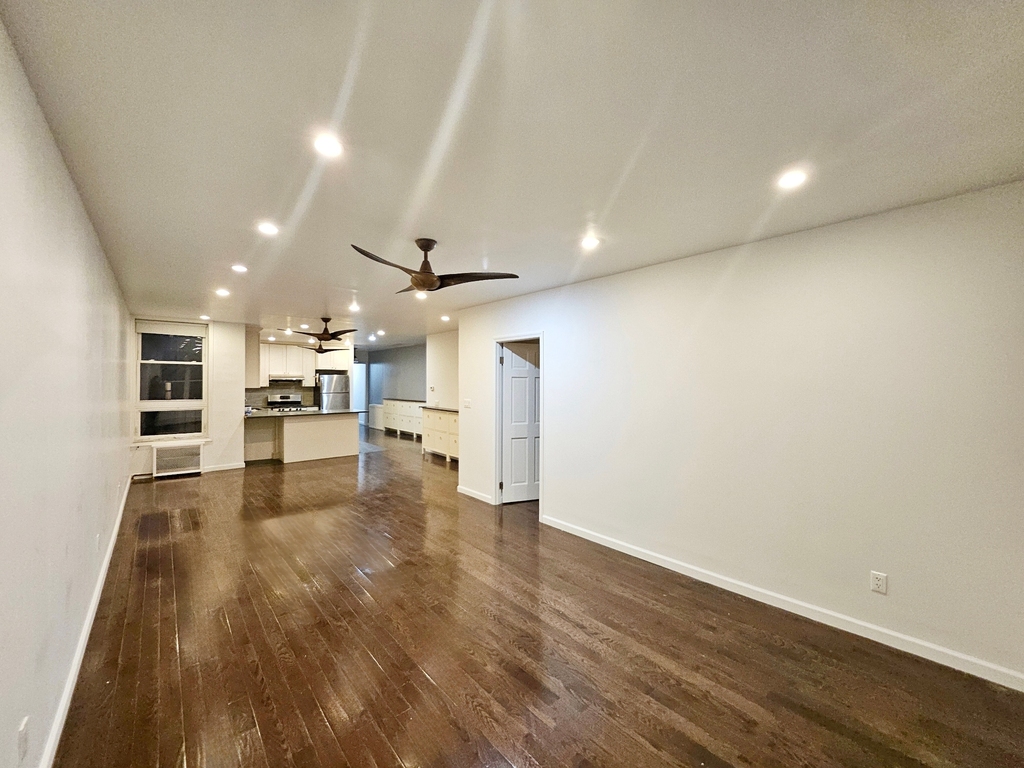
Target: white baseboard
<point>947,656</point>
<point>53,738</point>
<point>476,494</point>
<point>222,467</point>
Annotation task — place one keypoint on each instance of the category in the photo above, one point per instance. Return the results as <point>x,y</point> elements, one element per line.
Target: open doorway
<point>519,416</point>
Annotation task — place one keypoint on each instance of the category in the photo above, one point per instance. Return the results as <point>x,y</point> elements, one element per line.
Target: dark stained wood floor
<point>360,612</point>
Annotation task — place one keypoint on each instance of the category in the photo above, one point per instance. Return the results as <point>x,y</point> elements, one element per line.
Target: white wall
<point>64,419</point>
<point>226,400</point>
<point>399,372</point>
<point>784,417</point>
<point>443,370</point>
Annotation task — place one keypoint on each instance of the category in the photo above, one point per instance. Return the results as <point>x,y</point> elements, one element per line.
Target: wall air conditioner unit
<point>177,459</point>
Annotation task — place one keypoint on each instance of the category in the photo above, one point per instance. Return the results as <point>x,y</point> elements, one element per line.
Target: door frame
<point>498,382</point>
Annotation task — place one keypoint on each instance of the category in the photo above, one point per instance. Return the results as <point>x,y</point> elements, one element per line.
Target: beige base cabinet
<point>441,432</point>
<point>403,416</point>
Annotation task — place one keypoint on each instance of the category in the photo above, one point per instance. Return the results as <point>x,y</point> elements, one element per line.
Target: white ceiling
<point>502,129</point>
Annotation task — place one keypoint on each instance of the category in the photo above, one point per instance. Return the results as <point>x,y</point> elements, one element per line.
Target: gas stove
<point>288,403</point>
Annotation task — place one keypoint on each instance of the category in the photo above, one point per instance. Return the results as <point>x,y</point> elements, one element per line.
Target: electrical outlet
<point>23,740</point>
<point>879,582</point>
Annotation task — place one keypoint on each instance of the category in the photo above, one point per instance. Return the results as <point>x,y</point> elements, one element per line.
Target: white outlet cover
<point>879,582</point>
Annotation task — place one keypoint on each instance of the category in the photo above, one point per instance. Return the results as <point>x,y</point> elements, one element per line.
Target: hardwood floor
<point>360,612</point>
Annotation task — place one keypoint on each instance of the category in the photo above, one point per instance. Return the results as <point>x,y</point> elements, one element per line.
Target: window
<point>171,379</point>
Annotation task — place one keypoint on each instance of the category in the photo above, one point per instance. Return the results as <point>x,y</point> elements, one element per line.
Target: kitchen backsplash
<point>257,398</point>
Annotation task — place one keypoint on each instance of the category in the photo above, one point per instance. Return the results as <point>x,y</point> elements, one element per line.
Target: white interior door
<point>520,421</point>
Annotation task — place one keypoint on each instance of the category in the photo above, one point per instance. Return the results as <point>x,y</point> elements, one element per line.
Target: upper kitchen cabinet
<point>309,364</point>
<point>335,360</point>
<point>277,360</point>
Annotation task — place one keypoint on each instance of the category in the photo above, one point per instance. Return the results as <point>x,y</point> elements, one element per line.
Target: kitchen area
<point>301,405</point>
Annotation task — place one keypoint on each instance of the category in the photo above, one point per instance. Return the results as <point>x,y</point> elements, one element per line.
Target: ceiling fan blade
<point>458,278</point>
<point>377,258</point>
<point>339,334</point>
<point>406,290</point>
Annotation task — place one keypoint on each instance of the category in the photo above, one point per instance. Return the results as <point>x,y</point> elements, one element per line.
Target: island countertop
<point>269,413</point>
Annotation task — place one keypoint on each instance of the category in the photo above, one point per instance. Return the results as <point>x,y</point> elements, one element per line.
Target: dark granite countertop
<point>439,408</point>
<point>402,400</point>
<point>266,413</point>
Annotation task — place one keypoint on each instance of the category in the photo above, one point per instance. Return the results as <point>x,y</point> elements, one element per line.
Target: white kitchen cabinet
<point>277,360</point>
<point>441,432</point>
<point>309,365</point>
<point>404,416</point>
<point>294,357</point>
<point>264,366</point>
<point>336,360</point>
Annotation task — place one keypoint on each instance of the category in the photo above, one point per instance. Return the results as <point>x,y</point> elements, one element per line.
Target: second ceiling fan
<point>424,278</point>
<point>325,335</point>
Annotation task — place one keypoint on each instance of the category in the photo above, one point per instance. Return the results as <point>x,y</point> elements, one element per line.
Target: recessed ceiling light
<point>380,333</point>
<point>445,318</point>
<point>589,243</point>
<point>353,307</point>
<point>328,145</point>
<point>240,268</point>
<point>304,326</point>
<point>287,331</point>
<point>312,340</point>
<point>791,179</point>
<point>421,295</point>
<point>204,317</point>
<point>371,337</point>
<point>271,338</point>
<point>222,292</point>
<point>268,228</point>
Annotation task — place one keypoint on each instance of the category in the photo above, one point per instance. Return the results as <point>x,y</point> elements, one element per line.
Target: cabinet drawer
<point>431,420</point>
<point>453,445</point>
<point>453,423</point>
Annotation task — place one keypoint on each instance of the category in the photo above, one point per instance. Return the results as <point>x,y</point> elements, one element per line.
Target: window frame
<point>143,406</point>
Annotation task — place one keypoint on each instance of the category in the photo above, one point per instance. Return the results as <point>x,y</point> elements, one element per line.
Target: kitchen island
<point>291,436</point>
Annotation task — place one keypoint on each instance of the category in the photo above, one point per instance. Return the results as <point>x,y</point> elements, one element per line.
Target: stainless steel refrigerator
<point>334,395</point>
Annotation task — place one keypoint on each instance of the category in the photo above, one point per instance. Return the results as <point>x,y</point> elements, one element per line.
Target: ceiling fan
<point>424,278</point>
<point>325,335</point>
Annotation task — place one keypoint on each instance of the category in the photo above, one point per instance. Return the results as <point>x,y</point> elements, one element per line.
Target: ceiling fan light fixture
<point>371,337</point>
<point>421,295</point>
<point>288,332</point>
<point>311,340</point>
<point>328,145</point>
<point>354,306</point>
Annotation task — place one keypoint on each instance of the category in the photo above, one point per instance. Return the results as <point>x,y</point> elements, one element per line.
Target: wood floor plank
<point>360,612</point>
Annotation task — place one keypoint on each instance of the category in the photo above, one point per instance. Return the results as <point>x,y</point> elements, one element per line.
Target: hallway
<point>360,612</point>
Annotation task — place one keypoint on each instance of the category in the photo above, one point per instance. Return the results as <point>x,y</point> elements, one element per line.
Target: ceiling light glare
<point>371,337</point>
<point>328,145</point>
<point>791,179</point>
<point>589,243</point>
<point>271,338</point>
<point>353,307</point>
<point>240,268</point>
<point>421,295</point>
<point>304,326</point>
<point>287,331</point>
<point>222,292</point>
<point>445,318</point>
<point>380,333</point>
<point>204,317</point>
<point>268,228</point>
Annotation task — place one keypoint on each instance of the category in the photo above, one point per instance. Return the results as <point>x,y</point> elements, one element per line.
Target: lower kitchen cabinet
<point>441,432</point>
